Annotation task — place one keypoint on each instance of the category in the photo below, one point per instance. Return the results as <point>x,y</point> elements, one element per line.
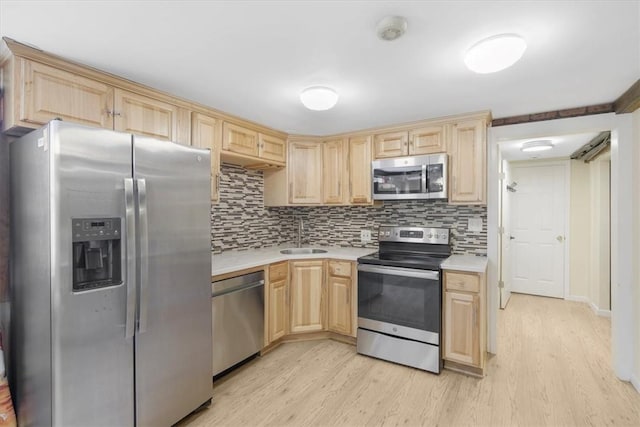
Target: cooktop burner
<point>411,247</point>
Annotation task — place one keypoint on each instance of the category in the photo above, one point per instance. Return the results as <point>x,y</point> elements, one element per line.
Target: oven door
<point>398,301</point>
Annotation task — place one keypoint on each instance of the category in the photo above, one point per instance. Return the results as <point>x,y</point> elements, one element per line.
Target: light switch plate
<point>475,223</point>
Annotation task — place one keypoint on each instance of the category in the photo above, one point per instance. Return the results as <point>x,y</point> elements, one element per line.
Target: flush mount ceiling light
<point>495,53</point>
<point>391,27</point>
<point>319,98</point>
<point>539,145</point>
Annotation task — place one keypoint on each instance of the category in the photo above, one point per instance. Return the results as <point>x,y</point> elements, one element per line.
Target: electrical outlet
<point>365,236</point>
<point>475,224</point>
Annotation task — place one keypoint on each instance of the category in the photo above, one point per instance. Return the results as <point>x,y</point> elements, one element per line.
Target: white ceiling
<point>252,58</point>
<point>563,147</point>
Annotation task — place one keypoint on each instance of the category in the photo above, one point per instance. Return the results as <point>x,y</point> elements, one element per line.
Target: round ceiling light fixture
<point>391,27</point>
<point>319,98</point>
<point>539,145</point>
<point>495,53</point>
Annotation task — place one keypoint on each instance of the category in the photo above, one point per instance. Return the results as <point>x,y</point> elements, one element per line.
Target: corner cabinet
<point>205,133</point>
<point>468,162</point>
<point>305,172</point>
<point>465,321</point>
<point>308,299</point>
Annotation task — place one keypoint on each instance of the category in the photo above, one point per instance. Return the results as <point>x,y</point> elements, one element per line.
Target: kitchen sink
<point>302,251</point>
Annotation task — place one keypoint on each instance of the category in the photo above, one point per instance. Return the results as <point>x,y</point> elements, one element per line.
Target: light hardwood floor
<point>553,368</point>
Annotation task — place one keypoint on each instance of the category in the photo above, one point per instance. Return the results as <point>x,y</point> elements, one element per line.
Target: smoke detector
<point>391,27</point>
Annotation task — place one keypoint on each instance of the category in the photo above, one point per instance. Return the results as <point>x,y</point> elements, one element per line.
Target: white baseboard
<point>599,311</point>
<point>635,382</point>
<point>577,298</point>
<point>596,310</point>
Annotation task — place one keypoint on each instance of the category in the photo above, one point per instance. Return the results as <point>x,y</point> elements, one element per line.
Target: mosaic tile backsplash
<point>240,220</point>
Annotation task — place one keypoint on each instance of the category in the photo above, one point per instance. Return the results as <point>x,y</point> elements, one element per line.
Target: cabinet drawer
<point>340,268</point>
<point>461,282</point>
<point>277,272</point>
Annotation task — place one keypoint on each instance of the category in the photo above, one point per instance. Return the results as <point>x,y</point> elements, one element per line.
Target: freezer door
<point>92,359</point>
<point>173,339</point>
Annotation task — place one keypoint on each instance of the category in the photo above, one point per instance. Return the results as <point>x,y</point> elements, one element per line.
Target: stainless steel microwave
<point>414,177</point>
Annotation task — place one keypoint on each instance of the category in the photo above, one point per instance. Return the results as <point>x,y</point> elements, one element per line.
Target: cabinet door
<point>468,162</point>
<point>205,133</point>
<point>142,115</point>
<point>462,330</point>
<point>50,93</point>
<point>278,309</point>
<point>339,304</point>
<point>239,140</point>
<point>393,144</point>
<point>333,171</point>
<point>307,299</point>
<point>360,170</point>
<point>305,172</point>
<point>427,140</point>
<point>272,148</point>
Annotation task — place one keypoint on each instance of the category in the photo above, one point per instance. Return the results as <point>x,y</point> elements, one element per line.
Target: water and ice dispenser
<point>96,253</point>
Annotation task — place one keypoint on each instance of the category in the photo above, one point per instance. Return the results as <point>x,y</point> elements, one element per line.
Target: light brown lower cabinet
<point>464,319</point>
<point>278,300</point>
<point>308,299</point>
<point>340,287</point>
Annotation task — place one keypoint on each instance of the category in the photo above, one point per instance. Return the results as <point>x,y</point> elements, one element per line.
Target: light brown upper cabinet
<point>50,93</point>
<point>423,140</point>
<point>142,115</point>
<point>392,144</point>
<point>272,148</point>
<point>468,163</point>
<point>334,171</point>
<point>47,93</point>
<point>252,149</point>
<point>360,170</point>
<point>206,133</point>
<point>305,172</point>
<point>239,139</point>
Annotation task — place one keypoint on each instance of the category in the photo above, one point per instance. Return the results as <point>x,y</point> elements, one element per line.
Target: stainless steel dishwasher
<point>238,319</point>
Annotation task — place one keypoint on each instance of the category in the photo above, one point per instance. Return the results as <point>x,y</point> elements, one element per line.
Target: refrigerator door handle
<point>131,257</point>
<point>143,223</point>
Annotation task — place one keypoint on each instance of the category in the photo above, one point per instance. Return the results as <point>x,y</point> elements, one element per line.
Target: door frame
<point>567,217</point>
<point>623,176</point>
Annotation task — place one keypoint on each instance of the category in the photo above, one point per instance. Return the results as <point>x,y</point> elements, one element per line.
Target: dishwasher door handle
<point>243,287</point>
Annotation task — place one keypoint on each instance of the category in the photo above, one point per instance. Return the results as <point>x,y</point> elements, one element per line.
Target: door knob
<point>560,239</point>
<point>511,238</point>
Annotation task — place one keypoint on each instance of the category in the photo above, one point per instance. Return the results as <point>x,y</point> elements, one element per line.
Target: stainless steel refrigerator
<point>110,277</point>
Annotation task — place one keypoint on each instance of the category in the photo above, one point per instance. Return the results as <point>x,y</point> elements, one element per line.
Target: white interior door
<point>505,236</point>
<point>538,217</point>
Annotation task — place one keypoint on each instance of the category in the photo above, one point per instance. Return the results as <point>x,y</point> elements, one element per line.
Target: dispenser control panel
<point>85,229</point>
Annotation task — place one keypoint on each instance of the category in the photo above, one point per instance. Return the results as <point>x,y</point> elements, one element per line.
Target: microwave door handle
<point>424,179</point>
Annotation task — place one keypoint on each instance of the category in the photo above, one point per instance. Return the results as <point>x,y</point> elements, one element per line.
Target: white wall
<point>625,197</point>
<point>579,226</point>
<point>635,376</point>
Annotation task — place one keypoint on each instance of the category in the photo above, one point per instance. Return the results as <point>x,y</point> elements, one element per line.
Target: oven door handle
<point>398,271</point>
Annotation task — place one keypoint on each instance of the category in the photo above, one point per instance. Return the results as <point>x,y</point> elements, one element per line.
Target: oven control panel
<point>414,234</point>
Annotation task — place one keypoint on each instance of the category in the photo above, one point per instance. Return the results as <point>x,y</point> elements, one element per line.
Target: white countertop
<point>231,261</point>
<point>471,263</point>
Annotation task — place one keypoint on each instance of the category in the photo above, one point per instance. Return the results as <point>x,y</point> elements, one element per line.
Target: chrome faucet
<point>300,230</point>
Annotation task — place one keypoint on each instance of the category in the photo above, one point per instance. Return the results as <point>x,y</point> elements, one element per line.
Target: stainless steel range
<point>400,297</point>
